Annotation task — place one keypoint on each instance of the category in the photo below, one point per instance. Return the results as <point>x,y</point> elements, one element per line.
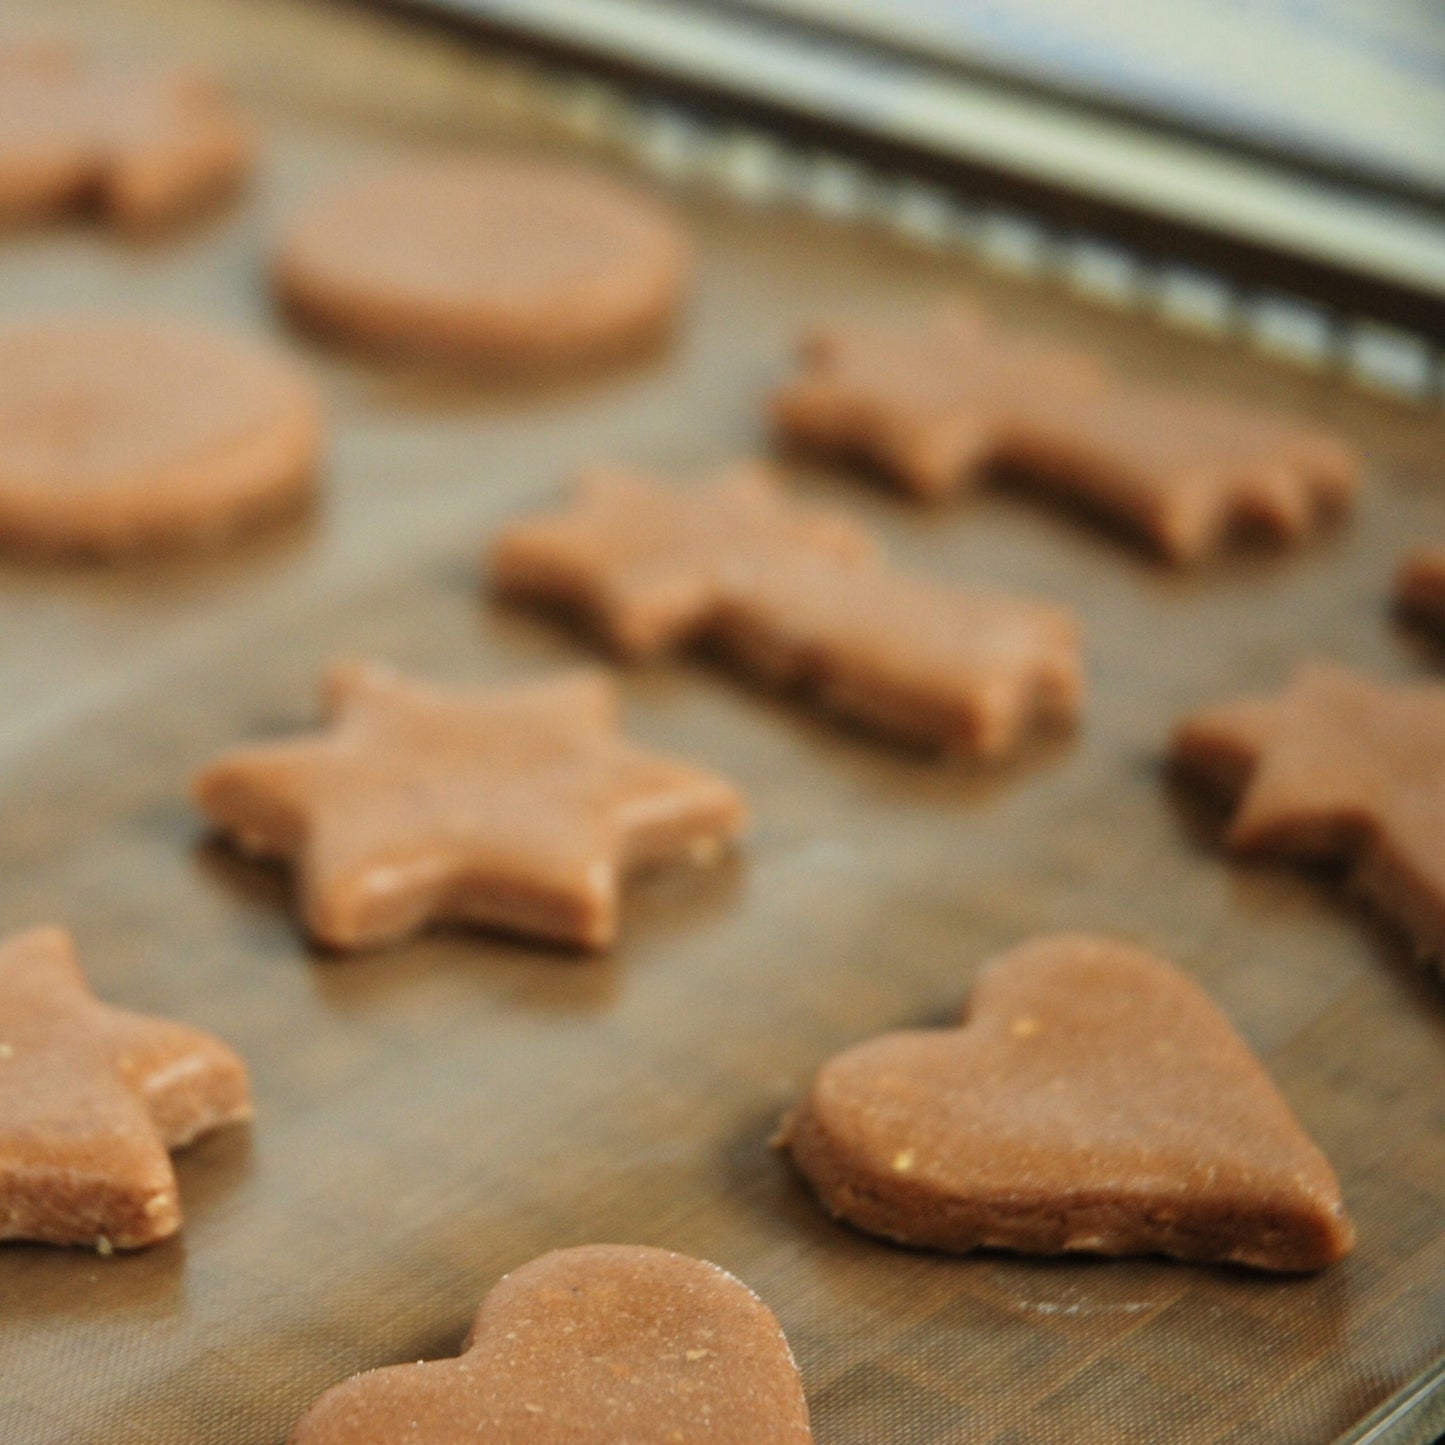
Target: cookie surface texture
<point>92,1099</point>
<point>520,808</point>
<point>934,405</point>
<point>1337,768</point>
<point>502,260</point>
<point>611,1344</point>
<point>130,434</point>
<point>1094,1099</point>
<point>143,148</point>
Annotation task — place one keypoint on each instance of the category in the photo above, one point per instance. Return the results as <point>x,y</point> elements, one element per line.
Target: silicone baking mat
<point>433,1115</point>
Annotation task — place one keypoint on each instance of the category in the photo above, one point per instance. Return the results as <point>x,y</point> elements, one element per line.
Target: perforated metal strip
<point>695,142</point>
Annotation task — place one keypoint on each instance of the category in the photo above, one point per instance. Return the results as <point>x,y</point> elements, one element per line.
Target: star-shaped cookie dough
<point>935,405</point>
<point>144,147</point>
<point>973,673</point>
<point>1337,768</point>
<point>929,404</point>
<point>798,597</point>
<point>1187,474</point>
<point>92,1098</point>
<point>647,565</point>
<point>519,808</point>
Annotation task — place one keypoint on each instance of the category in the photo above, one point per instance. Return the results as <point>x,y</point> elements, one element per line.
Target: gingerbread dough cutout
<point>518,808</point>
<point>1093,1100</point>
<point>504,260</point>
<point>934,405</point>
<point>798,597</point>
<point>92,1099</point>
<point>1420,588</point>
<point>972,673</point>
<point>929,404</point>
<point>125,434</point>
<point>1337,768</point>
<point>647,565</point>
<point>612,1344</point>
<point>142,148</point>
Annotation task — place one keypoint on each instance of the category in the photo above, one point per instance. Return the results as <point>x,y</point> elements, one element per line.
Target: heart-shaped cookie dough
<point>609,1344</point>
<point>1094,1100</point>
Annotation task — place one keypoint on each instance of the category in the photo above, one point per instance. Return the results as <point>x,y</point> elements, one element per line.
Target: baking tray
<point>433,1115</point>
<point>1089,172</point>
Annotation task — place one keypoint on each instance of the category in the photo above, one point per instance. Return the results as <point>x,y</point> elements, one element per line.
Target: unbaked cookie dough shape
<point>143,147</point>
<point>124,434</point>
<point>501,261</point>
<point>520,808</point>
<point>1337,767</point>
<point>800,598</point>
<point>1093,1100</point>
<point>933,405</point>
<point>92,1099</point>
<point>611,1344</point>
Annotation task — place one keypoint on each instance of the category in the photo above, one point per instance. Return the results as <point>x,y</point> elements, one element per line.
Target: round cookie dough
<point>496,260</point>
<point>125,434</point>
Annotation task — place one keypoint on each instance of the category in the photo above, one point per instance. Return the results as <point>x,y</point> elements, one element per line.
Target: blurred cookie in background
<point>502,261</point>
<point>129,434</point>
<point>139,147</point>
